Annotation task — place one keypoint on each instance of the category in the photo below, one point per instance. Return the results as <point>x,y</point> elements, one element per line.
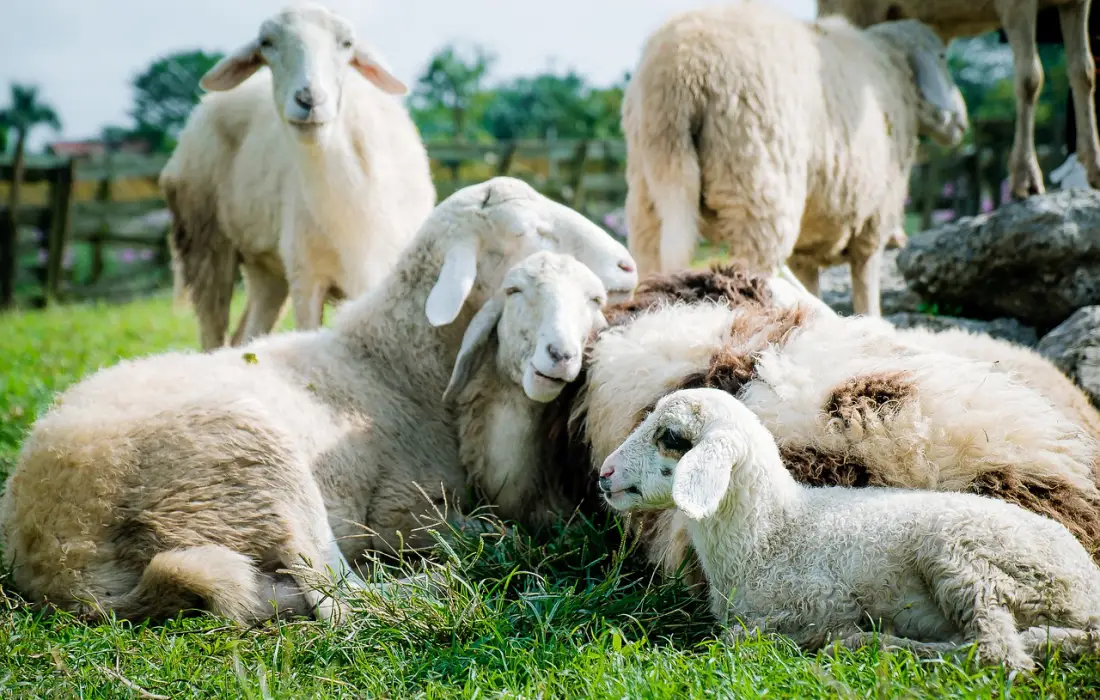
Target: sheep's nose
<point>558,355</point>
<point>605,484</point>
<point>626,266</point>
<point>308,98</point>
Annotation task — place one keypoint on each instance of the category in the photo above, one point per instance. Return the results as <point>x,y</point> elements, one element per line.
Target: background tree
<point>165,93</point>
<point>24,113</point>
<point>565,104</point>
<point>449,92</point>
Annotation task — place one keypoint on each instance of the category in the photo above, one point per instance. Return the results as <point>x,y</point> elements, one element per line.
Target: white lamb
<point>311,176</point>
<point>186,480</point>
<point>930,570</point>
<point>787,140</point>
<point>520,350</point>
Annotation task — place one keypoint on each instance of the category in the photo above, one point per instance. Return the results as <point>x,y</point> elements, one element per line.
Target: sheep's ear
<point>475,345</point>
<point>934,86</point>
<point>234,69</point>
<point>371,67</point>
<point>702,476</point>
<point>455,281</point>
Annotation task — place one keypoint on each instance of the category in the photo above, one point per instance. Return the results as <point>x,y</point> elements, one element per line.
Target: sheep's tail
<point>204,260</point>
<point>667,137</point>
<point>210,577</point>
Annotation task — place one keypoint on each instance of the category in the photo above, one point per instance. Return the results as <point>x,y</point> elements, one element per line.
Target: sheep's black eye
<point>511,290</point>
<point>598,301</point>
<point>347,44</point>
<point>672,441</point>
<point>266,43</point>
<point>666,471</point>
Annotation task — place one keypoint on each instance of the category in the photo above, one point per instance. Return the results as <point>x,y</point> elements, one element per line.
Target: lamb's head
<point>547,308</point>
<point>941,111</point>
<point>310,51</point>
<point>485,229</point>
<point>682,454</point>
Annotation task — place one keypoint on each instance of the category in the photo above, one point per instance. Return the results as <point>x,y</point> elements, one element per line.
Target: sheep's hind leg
<point>1071,643</point>
<point>923,650</point>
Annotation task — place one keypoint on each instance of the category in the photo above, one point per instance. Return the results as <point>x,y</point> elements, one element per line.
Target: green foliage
<point>570,614</point>
<point>446,92</point>
<point>452,101</point>
<point>27,111</point>
<point>166,92</point>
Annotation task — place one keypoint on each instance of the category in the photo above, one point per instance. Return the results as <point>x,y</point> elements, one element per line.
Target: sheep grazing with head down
<point>188,480</point>
<point>310,175</point>
<point>786,140</point>
<point>933,571</point>
<point>520,350</point>
<point>958,18</point>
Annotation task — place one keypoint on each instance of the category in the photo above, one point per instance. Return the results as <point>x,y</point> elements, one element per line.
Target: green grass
<point>567,616</point>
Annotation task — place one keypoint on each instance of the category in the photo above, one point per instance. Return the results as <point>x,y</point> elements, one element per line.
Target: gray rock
<point>1004,328</point>
<point>1074,348</point>
<point>1037,260</point>
<point>836,288</point>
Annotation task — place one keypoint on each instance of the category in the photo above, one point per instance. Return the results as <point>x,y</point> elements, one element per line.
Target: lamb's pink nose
<point>607,469</point>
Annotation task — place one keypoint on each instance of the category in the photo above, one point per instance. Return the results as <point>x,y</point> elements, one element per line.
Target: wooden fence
<point>81,222</point>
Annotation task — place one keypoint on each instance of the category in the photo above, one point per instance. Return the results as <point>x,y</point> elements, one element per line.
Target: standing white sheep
<point>520,350</point>
<point>311,176</point>
<point>184,480</point>
<point>956,18</point>
<point>932,570</point>
<point>783,139</point>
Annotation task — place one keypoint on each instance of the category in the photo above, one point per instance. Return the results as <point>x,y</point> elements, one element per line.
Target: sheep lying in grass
<point>186,479</point>
<point>932,570</point>
<point>957,18</point>
<point>519,352</point>
<point>311,176</point>
<point>800,154</point>
<point>850,401</point>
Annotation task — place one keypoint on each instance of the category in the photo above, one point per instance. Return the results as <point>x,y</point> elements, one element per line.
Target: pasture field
<point>567,617</point>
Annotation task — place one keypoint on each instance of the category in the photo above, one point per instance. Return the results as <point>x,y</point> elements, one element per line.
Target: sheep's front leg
<point>867,283</point>
<point>308,294</point>
<point>1081,70</point>
<point>267,294</point>
<point>1018,21</point>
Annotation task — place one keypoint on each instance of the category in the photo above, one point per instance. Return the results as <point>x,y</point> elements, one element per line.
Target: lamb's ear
<point>371,67</point>
<point>234,69</point>
<point>934,86</point>
<point>702,476</point>
<point>455,281</point>
<point>475,345</point>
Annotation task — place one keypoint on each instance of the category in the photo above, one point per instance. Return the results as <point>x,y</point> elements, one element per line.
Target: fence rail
<point>101,225</point>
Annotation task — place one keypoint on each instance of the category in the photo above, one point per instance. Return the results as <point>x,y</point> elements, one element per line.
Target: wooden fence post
<point>61,192</point>
<point>506,158</point>
<point>103,196</point>
<point>576,183</point>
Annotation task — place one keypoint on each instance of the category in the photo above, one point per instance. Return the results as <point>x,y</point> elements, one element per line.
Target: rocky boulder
<point>1074,348</point>
<point>1037,260</point>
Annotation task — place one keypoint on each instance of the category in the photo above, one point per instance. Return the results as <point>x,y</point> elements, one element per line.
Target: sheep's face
<point>310,52</point>
<point>552,307</point>
<point>638,475</point>
<point>941,112</point>
<point>682,455</point>
<point>498,223</point>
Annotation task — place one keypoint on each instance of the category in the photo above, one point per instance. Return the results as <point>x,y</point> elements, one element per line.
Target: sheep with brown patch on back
<point>786,140</point>
<point>189,479</point>
<point>932,572</point>
<point>851,401</point>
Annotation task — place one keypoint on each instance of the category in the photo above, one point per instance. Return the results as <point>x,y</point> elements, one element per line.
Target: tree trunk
<point>9,230</point>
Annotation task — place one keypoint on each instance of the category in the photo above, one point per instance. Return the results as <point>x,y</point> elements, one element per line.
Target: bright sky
<point>83,53</point>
